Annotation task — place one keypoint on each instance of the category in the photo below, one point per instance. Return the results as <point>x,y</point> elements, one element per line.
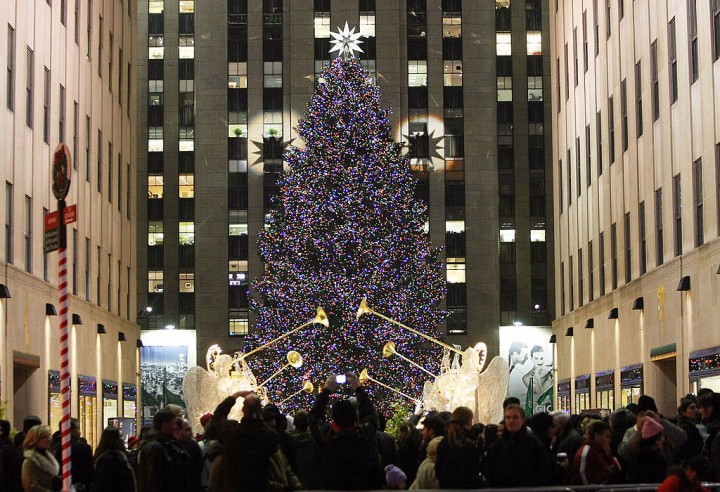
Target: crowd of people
<point>341,444</point>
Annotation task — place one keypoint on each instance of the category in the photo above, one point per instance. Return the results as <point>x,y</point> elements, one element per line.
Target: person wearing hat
<point>346,446</point>
<point>649,463</point>
<point>593,462</point>
<point>689,477</point>
<point>395,477</point>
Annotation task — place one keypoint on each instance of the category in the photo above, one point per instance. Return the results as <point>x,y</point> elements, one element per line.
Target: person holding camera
<point>346,446</point>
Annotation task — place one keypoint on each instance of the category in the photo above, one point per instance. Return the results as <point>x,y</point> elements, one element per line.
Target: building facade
<point>69,78</point>
<point>222,88</point>
<point>637,202</point>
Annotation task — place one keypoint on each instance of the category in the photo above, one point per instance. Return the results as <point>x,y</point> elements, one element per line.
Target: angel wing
<point>200,391</point>
<point>492,388</point>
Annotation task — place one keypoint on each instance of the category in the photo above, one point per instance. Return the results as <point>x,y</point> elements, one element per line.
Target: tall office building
<point>69,78</point>
<point>637,204</point>
<point>222,87</point>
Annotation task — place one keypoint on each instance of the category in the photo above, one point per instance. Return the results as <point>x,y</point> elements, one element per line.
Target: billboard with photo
<point>530,365</point>
<point>162,369</point>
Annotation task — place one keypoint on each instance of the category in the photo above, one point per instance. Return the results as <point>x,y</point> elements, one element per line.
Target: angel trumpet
<point>388,350</point>
<point>307,387</point>
<point>320,318</point>
<point>364,376</point>
<point>294,359</point>
<point>365,309</point>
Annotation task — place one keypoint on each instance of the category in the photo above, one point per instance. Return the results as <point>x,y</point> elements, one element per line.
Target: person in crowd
<point>395,478</point>
<point>542,425</point>
<point>594,462</point>
<point>10,461</point>
<point>133,447</point>
<point>81,456</point>
<point>28,422</point>
<point>502,466</point>
<point>162,463</point>
<point>689,477</point>
<point>280,473</point>
<point>650,463</point>
<point>40,469</point>
<point>709,406</point>
<point>386,444</point>
<point>113,472</point>
<point>348,456</point>
<point>305,465</point>
<point>490,435</point>
<point>275,419</point>
<point>184,438</point>
<point>425,478</point>
<point>687,420</point>
<point>408,449</point>
<point>247,446</point>
<point>432,426</point>
<point>567,440</point>
<point>204,444</point>
<point>457,465</point>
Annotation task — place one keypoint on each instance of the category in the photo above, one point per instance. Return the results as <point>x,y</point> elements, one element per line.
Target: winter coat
<point>592,466</point>
<point>81,461</point>
<point>426,478</point>
<point>518,459</point>
<point>113,472</point>
<point>458,467</point>
<point>694,444</point>
<point>162,465</point>
<point>11,464</point>
<point>280,474</point>
<point>39,471</point>
<point>306,459</point>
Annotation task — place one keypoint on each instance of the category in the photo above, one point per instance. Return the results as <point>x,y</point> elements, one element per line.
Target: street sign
<point>60,171</point>
<point>52,240</point>
<point>69,216</point>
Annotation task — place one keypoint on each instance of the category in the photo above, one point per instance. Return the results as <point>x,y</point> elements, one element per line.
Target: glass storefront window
<point>87,408</point>
<point>110,401</point>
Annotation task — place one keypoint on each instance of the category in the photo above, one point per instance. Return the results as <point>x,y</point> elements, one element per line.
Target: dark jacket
<point>694,444</point>
<point>162,465</point>
<point>113,472</point>
<point>305,465</point>
<point>518,459</point>
<point>348,457</point>
<point>81,461</point>
<point>246,450</point>
<point>10,464</point>
<point>592,466</point>
<point>458,467</point>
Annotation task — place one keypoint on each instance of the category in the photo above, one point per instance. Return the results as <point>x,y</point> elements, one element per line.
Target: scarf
<point>43,460</point>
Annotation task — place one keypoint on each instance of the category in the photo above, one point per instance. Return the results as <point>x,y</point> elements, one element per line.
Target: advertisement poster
<point>530,365</point>
<point>162,369</point>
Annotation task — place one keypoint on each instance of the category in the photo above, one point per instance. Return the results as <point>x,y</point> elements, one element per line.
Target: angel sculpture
<point>462,382</point>
<point>205,389</point>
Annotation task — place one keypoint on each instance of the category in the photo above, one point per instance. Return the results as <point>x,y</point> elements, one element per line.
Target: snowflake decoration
<point>346,42</point>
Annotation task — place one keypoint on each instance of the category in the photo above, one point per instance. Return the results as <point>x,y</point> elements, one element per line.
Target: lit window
<point>156,53</point>
<point>537,235</point>
<point>155,233</point>
<point>237,324</point>
<point>156,41</point>
<point>452,70</point>
<point>455,226</point>
<point>417,121</point>
<point>367,25</point>
<point>456,273</point>
<point>237,75</point>
<point>155,132</point>
<point>273,74</point>
<point>272,124</point>
<point>369,66</point>
<point>155,6</point>
<point>187,282</point>
<point>186,40</point>
<point>322,25</point>
<point>417,73</point>
<point>187,233</point>
<point>155,86</point>
<point>237,166</point>
<point>186,145</point>
<point>187,185</point>
<point>507,235</point>
<point>155,186</point>
<point>534,43</point>
<point>238,223</point>
<point>238,265</point>
<point>186,52</point>
<point>237,124</point>
<point>155,281</point>
<point>503,44</point>
<point>535,89</point>
<point>452,26</point>
<point>187,6</point>
<point>155,145</point>
<point>504,85</point>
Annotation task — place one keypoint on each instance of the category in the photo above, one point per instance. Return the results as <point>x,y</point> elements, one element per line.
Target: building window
<point>585,40</point>
<point>61,119</point>
<point>110,61</point>
<point>534,43</point>
<point>575,57</point>
<point>87,268</point>
<point>591,272</point>
<point>88,52</point>
<point>88,129</point>
<point>187,185</point>
<point>642,238</point>
<point>581,279</point>
<point>452,73</point>
<point>187,233</point>
<point>628,250</point>
<point>110,172</point>
<point>46,106</point>
<point>655,87</point>
<point>10,96</point>
<point>698,200</point>
<point>588,160</point>
<point>613,256</point>
<point>621,9</point>
<point>567,74</point>
<point>672,60</point>
<point>598,136</point>
<point>560,185</point>
<point>322,25</point>
<point>693,40</point>
<point>638,99</point>
<point>623,114</point>
<point>677,214</point>
<point>571,285</point>
<point>562,289</point>
<point>237,75</point>
<point>99,160</point>
<point>716,28</point>
<point>272,74</point>
<point>597,27</point>
<point>503,45</point>
<point>76,135</point>
<point>101,24</point>
<point>29,87</point>
<point>611,129</point>
<point>601,260</point>
<point>578,174</point>
<point>417,73</point>
<point>9,213</point>
<point>569,177</point>
<point>77,21</point>
<point>659,237</point>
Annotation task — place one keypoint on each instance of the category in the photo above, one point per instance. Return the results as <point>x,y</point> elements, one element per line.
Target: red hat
<point>651,428</point>
<point>205,419</point>
<point>132,440</point>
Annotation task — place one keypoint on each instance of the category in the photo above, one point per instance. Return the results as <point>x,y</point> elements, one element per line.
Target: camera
<point>341,379</point>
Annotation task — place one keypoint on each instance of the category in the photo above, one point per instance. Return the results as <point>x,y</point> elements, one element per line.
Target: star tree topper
<point>346,42</point>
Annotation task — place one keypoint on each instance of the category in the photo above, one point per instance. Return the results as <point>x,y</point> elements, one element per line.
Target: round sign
<point>60,171</point>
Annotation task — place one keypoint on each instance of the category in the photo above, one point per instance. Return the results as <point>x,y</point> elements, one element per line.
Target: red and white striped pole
<point>60,184</point>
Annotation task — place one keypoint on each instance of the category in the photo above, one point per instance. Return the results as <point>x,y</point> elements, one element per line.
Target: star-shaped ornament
<point>346,42</point>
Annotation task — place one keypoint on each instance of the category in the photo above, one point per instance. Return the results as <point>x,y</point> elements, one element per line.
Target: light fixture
<point>517,322</point>
<point>101,329</point>
<point>4,292</point>
<point>121,336</point>
<point>50,309</point>
<point>590,323</point>
<point>76,319</point>
<point>553,339</point>
<point>169,327</point>
<point>684,284</point>
<point>138,343</point>
<point>569,332</point>
<point>613,314</point>
<point>639,303</point>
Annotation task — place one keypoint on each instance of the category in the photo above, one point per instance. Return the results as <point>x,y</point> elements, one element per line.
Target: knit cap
<point>394,476</point>
<point>651,428</point>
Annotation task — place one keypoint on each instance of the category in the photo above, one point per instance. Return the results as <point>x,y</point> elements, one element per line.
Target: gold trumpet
<point>293,359</point>
<point>388,350</point>
<point>320,318</point>
<point>364,309</point>
<point>307,387</point>
<point>364,376</point>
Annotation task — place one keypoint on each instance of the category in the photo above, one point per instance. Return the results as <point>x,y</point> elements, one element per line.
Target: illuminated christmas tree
<point>345,226</point>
